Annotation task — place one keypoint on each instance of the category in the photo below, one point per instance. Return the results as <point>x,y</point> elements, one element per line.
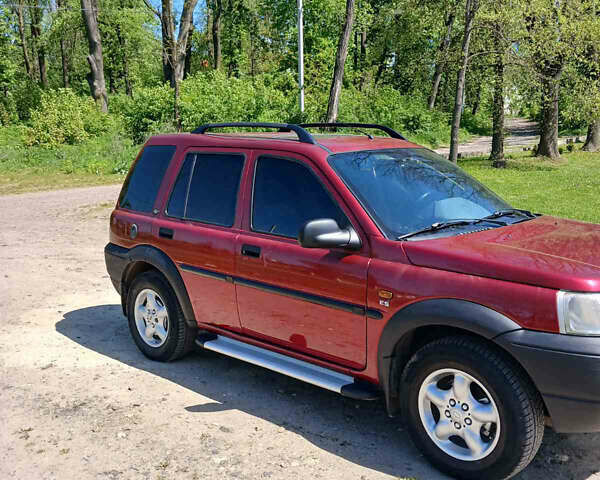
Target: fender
<point>161,261</point>
<point>446,312</point>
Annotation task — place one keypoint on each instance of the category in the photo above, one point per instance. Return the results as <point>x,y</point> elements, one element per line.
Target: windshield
<point>409,189</point>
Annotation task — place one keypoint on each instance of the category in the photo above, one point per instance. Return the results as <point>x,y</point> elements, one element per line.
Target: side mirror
<point>326,233</point>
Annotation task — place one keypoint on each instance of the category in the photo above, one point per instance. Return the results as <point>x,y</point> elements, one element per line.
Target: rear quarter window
<point>141,186</point>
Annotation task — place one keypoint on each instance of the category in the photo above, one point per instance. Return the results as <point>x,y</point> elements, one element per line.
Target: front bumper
<point>566,371</point>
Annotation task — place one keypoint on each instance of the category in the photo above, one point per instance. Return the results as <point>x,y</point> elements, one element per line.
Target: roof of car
<point>284,141</point>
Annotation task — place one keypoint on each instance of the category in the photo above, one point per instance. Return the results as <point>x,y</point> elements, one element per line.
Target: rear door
<point>308,300</point>
<point>198,230</point>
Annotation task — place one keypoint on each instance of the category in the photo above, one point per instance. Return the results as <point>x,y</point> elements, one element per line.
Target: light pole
<point>301,55</point>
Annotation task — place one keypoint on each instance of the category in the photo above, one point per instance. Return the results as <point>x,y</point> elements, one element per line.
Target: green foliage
<point>66,118</point>
<point>110,153</point>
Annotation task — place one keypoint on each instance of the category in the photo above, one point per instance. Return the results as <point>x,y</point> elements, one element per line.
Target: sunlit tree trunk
<point>340,61</point>
<point>470,12</point>
<point>497,155</point>
<point>592,141</point>
<point>548,146</point>
<point>89,11</point>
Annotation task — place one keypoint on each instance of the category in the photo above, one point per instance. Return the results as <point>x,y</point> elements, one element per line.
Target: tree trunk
<point>18,9</point>
<point>592,141</point>
<point>188,53</point>
<point>497,155</point>
<point>470,11</point>
<point>36,33</point>
<point>126,77</point>
<point>548,146</point>
<point>89,11</point>
<point>176,115</point>
<point>63,51</point>
<point>477,101</point>
<point>363,58</point>
<point>382,62</point>
<point>216,34</point>
<point>441,63</point>
<point>340,61</point>
<point>167,25</point>
<point>174,49</point>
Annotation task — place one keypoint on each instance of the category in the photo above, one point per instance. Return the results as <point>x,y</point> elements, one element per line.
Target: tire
<point>175,338</point>
<point>495,390</point>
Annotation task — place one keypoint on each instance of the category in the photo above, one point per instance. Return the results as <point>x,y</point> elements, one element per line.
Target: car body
<point>359,312</point>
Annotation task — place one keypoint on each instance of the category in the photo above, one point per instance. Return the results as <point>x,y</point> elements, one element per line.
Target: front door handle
<point>251,251</point>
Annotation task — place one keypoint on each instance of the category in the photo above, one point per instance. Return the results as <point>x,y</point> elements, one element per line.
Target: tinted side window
<point>210,195</point>
<point>140,188</point>
<point>177,201</point>
<point>286,195</point>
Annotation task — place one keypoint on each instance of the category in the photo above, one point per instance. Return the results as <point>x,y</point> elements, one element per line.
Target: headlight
<point>579,313</point>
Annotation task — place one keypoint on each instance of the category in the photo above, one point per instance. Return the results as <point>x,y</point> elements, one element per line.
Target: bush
<point>149,112</point>
<point>27,98</point>
<point>65,118</point>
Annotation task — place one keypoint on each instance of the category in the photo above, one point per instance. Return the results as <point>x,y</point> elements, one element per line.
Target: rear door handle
<point>165,232</point>
<point>251,251</point>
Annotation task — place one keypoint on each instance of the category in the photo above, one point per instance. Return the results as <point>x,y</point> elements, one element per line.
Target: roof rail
<point>303,135</point>
<point>391,132</point>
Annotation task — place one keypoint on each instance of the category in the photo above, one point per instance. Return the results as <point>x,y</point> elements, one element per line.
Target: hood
<point>546,251</point>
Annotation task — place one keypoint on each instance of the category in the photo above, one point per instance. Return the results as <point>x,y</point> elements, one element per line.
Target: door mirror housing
<point>326,233</point>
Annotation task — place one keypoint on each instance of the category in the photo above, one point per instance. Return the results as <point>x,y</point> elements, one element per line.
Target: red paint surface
<point>515,270</point>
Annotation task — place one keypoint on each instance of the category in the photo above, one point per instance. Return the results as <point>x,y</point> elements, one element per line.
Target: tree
<point>36,33</point>
<point>471,8</point>
<point>340,61</point>
<point>440,64</point>
<point>552,38</point>
<point>95,78</point>
<point>18,10</point>
<point>217,9</point>
<point>174,49</point>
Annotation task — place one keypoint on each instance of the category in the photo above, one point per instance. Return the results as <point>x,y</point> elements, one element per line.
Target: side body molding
<point>159,260</point>
<point>397,335</point>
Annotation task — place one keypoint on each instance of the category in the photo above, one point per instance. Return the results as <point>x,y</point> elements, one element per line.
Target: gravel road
<point>78,401</point>
<point>520,132</point>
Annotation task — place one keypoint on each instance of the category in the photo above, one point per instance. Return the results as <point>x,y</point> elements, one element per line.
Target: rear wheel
<point>156,320</point>
<point>471,410</point>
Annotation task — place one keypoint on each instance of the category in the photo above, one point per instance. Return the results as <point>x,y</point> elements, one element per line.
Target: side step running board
<point>292,367</point>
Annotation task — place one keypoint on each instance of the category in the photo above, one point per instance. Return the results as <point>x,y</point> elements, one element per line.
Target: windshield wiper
<point>507,212</point>
<point>434,227</point>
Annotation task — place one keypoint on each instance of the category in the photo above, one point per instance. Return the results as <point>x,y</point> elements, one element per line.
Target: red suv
<point>368,266</point>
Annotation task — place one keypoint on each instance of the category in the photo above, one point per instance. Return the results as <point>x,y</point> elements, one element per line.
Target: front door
<point>308,300</point>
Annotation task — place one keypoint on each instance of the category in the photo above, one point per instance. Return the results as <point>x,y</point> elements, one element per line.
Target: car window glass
<point>287,195</point>
<point>213,188</point>
<point>177,201</point>
<point>408,189</point>
<point>141,186</point>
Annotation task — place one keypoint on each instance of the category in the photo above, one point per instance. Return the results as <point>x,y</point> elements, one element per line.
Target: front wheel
<point>471,411</point>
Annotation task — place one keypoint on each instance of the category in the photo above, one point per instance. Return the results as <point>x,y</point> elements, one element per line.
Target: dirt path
<point>520,133</point>
<point>78,401</point>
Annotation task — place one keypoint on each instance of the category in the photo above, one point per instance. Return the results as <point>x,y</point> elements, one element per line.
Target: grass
<point>567,188</point>
<point>103,160</point>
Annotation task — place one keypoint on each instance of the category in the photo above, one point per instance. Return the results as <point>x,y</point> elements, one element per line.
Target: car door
<point>308,300</point>
<point>198,229</point>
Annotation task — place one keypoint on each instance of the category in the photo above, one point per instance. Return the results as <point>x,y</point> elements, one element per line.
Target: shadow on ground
<point>359,432</point>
